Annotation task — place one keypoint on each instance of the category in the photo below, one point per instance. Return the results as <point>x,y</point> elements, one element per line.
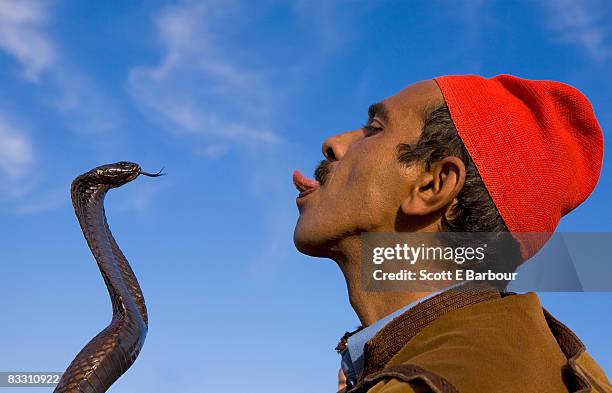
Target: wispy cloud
<point>21,35</point>
<point>88,110</point>
<point>580,23</point>
<point>17,159</point>
<point>24,36</point>
<point>196,88</point>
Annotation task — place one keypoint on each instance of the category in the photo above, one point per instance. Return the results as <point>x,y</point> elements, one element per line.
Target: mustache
<point>322,171</point>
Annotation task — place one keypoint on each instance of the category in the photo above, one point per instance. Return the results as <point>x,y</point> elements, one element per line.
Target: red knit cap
<point>536,145</point>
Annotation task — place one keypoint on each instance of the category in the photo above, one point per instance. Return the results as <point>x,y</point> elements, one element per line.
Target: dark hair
<point>474,210</point>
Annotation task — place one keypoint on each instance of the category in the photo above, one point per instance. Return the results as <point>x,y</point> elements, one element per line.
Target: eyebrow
<point>379,109</point>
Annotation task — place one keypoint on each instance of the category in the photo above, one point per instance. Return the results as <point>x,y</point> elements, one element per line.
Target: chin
<point>308,239</point>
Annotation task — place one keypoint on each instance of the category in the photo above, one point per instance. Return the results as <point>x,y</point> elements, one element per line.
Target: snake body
<point>110,353</point>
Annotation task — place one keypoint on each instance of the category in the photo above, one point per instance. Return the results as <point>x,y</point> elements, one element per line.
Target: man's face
<point>365,184</point>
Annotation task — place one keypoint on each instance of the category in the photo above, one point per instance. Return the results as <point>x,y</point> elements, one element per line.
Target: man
<point>456,154</point>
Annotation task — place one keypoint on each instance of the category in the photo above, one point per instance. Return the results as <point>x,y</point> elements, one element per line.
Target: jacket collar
<point>379,350</point>
<point>354,342</point>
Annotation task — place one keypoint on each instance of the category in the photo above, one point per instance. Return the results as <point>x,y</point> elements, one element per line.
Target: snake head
<point>112,175</point>
<point>117,174</point>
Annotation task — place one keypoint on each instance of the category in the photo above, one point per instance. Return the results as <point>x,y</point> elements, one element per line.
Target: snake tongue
<point>302,183</point>
<point>158,174</point>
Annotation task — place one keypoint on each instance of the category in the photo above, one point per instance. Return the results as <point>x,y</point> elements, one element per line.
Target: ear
<point>436,188</point>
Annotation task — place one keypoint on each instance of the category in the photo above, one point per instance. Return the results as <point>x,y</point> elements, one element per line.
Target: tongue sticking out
<point>304,184</point>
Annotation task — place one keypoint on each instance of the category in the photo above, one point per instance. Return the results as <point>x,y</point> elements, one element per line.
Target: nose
<point>335,147</point>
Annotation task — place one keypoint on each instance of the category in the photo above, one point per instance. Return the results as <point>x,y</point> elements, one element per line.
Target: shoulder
<point>505,345</point>
<point>498,345</point>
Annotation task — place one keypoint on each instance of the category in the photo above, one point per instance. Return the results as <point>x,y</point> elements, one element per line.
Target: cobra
<point>111,353</point>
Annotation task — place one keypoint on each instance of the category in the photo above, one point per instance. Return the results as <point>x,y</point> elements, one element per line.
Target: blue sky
<point>230,97</point>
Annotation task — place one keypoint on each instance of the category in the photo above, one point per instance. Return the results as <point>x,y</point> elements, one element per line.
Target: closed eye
<point>371,129</point>
<point>376,113</point>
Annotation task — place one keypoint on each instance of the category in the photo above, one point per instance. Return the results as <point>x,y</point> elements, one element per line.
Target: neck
<point>89,208</point>
<point>369,306</point>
